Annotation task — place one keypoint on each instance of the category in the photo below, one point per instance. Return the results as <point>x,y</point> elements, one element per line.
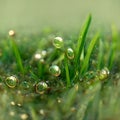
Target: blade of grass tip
<point>100,55</point>
<point>81,39</point>
<point>89,51</point>
<point>113,47</point>
<point>67,72</point>
<point>34,76</point>
<point>17,55</point>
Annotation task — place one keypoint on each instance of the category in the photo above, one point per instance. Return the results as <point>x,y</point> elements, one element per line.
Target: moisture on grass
<point>65,77</point>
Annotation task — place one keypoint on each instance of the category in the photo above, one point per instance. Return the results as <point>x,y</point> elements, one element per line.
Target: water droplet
<point>104,73</point>
<point>12,113</point>
<point>19,105</point>
<point>42,61</point>
<point>12,103</point>
<point>37,56</point>
<point>43,53</point>
<point>58,42</point>
<point>25,85</point>
<point>41,87</point>
<point>42,112</point>
<point>24,116</point>
<point>11,33</point>
<point>55,70</point>
<point>70,53</point>
<point>11,81</point>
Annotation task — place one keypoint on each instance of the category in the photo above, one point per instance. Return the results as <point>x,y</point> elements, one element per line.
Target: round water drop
<point>41,87</point>
<point>58,42</point>
<point>11,33</point>
<point>37,56</point>
<point>70,53</point>
<point>11,81</point>
<point>44,53</point>
<point>104,73</point>
<point>55,70</point>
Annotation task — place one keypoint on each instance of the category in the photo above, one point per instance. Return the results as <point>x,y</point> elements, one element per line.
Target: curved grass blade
<point>81,39</point>
<point>89,51</point>
<point>113,47</point>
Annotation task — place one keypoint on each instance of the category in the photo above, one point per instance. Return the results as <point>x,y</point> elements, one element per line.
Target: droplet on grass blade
<point>41,87</point>
<point>70,53</point>
<point>11,33</point>
<point>37,56</point>
<point>104,73</point>
<point>58,42</point>
<point>24,116</point>
<point>43,53</point>
<point>11,81</point>
<point>55,70</point>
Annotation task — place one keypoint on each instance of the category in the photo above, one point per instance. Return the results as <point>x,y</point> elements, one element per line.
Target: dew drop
<point>11,81</point>
<point>42,112</point>
<point>24,116</point>
<point>12,113</point>
<point>104,73</point>
<point>11,33</point>
<point>44,53</point>
<point>41,87</point>
<point>37,56</point>
<point>55,70</point>
<point>12,103</point>
<point>70,53</point>
<point>58,42</point>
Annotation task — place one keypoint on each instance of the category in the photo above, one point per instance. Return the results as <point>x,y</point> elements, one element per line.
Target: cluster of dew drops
<point>40,87</point>
<point>54,69</point>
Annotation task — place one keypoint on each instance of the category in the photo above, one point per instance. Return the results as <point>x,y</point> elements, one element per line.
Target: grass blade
<point>89,51</point>
<point>17,56</point>
<point>67,72</point>
<point>113,47</point>
<point>81,39</point>
<point>100,54</point>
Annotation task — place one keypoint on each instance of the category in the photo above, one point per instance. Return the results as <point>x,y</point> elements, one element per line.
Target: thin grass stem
<point>67,72</point>
<point>17,56</point>
<point>89,51</point>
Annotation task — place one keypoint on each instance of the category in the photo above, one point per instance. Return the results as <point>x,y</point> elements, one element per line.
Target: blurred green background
<point>34,15</point>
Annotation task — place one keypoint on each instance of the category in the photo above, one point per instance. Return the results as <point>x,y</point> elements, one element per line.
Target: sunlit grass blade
<point>113,47</point>
<point>67,72</point>
<point>100,55</point>
<point>17,56</point>
<point>81,39</point>
<point>89,51</point>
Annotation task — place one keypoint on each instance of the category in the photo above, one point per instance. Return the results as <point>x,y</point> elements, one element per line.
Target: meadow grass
<point>50,78</point>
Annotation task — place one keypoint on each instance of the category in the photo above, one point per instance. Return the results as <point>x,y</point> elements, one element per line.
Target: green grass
<point>67,72</point>
<point>86,60</point>
<point>17,55</point>
<point>84,89</point>
<point>81,40</point>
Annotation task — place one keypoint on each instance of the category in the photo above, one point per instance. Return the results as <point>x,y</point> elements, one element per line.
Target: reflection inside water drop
<point>55,70</point>
<point>58,42</point>
<point>70,53</point>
